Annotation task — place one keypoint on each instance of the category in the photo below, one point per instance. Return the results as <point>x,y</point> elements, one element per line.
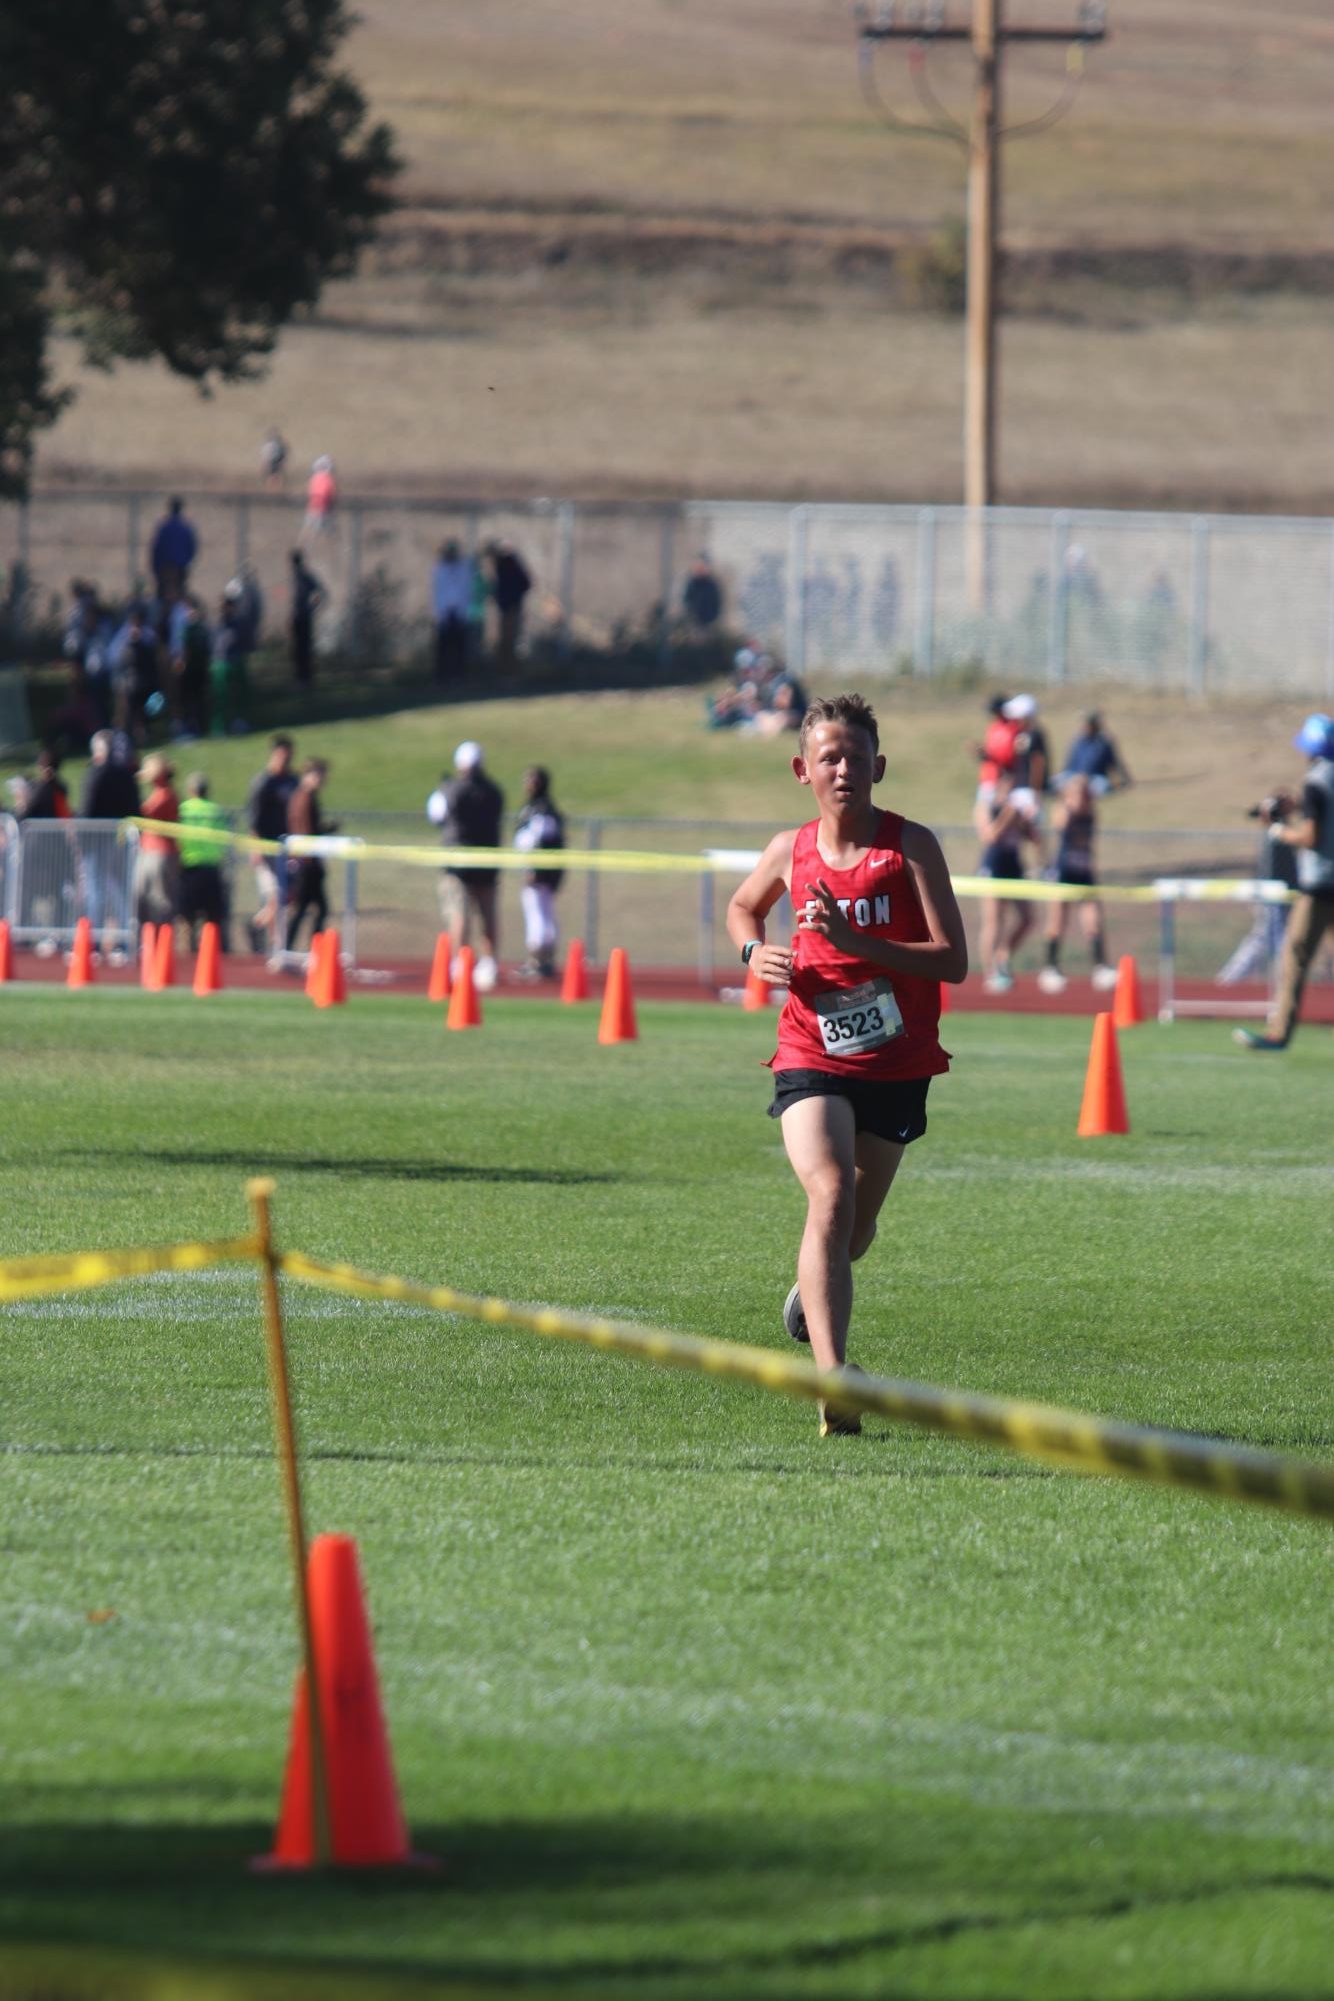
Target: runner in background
<point>1075,821</point>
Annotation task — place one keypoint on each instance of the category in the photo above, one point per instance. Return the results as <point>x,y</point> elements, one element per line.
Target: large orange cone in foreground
<point>756,995</point>
<point>365,1819</point>
<point>147,955</point>
<point>1104,1107</point>
<point>6,953</point>
<point>439,987</point>
<point>1127,1004</point>
<point>618,1002</point>
<point>80,972</point>
<point>574,982</point>
<point>945,1001</point>
<point>465,1009</point>
<point>164,958</point>
<point>208,966</point>
<point>324,977</point>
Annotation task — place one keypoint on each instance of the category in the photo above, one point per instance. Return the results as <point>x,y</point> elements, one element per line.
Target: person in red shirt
<point>878,929</point>
<point>157,864</point>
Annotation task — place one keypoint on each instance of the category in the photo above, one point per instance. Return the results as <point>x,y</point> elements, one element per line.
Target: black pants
<point>307,894</point>
<point>451,647</point>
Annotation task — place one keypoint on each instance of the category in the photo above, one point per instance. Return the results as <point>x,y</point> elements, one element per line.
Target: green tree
<point>177,178</point>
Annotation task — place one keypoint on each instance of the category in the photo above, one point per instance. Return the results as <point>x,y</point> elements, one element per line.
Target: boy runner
<point>878,930</point>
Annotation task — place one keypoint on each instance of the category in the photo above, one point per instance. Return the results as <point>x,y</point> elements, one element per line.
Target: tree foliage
<point>177,178</point>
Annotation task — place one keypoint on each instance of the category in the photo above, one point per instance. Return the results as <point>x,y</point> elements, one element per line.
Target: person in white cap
<point>468,811</point>
<point>1311,832</point>
<point>1032,757</point>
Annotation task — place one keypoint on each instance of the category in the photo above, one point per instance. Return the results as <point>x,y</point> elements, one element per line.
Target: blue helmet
<point>1315,738</point>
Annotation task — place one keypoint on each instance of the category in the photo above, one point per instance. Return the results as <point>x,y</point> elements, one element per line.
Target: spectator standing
<point>510,585</point>
<point>305,815</point>
<point>1276,862</point>
<point>137,679</point>
<point>1094,755</point>
<point>540,826</point>
<point>995,753</point>
<point>47,798</point>
<point>110,792</point>
<point>1311,915</point>
<point>1076,825</point>
<point>1031,756</point>
<point>321,499</point>
<point>190,649</point>
<point>273,460</point>
<point>172,552</point>
<point>157,862</point>
<point>1004,823</point>
<point>308,594</point>
<point>702,598</point>
<point>202,894</point>
<point>468,812</point>
<point>266,817</point>
<point>228,694</point>
<point>451,598</point>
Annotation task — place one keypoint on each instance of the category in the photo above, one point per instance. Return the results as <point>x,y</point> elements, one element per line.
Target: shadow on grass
<point>370,1166</point>
<point>587,1904</point>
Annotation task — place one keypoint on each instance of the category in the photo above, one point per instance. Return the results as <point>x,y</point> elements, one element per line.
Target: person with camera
<point>1275,862</point>
<point>1311,833</point>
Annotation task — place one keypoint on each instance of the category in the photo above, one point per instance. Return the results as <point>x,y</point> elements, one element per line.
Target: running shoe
<point>836,1423</point>
<point>1104,978</point>
<point>793,1318</point>
<point>1052,980</point>
<point>998,983</point>
<point>1249,1038</point>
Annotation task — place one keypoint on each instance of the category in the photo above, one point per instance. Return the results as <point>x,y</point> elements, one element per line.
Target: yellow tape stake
<point>75,1271</point>
<point>1062,1438</point>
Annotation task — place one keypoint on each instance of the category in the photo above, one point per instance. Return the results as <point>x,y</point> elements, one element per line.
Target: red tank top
<point>844,1013</point>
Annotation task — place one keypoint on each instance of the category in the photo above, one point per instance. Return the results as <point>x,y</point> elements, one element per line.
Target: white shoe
<point>1104,978</point>
<point>1052,980</point>
<point>998,983</point>
<point>484,975</point>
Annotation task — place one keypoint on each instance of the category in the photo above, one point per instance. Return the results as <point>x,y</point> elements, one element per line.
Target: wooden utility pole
<point>924,24</point>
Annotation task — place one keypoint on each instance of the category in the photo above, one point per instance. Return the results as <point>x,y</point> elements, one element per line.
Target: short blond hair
<point>853,710</point>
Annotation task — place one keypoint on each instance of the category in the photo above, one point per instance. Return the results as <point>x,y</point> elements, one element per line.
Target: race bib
<point>858,1018</point>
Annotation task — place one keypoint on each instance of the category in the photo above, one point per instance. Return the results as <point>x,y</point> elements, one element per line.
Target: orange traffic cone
<point>574,983</point>
<point>439,987</point>
<point>164,958</point>
<point>80,972</point>
<point>147,955</point>
<point>945,1002</point>
<point>1104,1107</point>
<point>6,953</point>
<point>618,1002</point>
<point>314,960</point>
<point>208,966</point>
<point>756,995</point>
<point>465,1010</point>
<point>1127,1005</point>
<point>365,1821</point>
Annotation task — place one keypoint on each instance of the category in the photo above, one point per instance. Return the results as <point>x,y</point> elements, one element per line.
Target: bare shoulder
<point>920,844</point>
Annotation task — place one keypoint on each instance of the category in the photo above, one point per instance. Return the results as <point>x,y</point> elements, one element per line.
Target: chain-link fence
<point>1198,603</point>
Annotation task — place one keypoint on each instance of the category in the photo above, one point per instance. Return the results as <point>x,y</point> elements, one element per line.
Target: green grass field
<point>685,1701</point>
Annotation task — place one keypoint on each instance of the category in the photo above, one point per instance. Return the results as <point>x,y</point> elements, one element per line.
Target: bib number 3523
<point>858,1018</point>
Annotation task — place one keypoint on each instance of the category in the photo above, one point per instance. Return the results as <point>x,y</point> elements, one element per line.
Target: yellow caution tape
<point>712,861</point>
<point>32,1278</point>
<point>1038,1431</point>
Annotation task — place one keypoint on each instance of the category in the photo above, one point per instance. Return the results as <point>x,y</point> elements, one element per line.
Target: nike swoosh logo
<point>883,862</point>
<point>905,1132</point>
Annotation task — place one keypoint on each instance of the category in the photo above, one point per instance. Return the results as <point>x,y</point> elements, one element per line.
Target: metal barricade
<point>68,869</point>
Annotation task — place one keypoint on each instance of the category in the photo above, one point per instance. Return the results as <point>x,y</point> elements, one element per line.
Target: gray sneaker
<point>793,1318</point>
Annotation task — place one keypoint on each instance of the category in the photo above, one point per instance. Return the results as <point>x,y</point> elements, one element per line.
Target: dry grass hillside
<point>670,249</point>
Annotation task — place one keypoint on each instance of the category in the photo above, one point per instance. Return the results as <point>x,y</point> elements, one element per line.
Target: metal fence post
<point>242,532</point>
<point>594,840</point>
<point>924,644</point>
<point>794,610</point>
<point>565,519</point>
<point>1058,600</point>
<point>25,565</point>
<point>354,556</point>
<point>666,577</point>
<point>1197,660</point>
<point>132,541</point>
<point>705,929</point>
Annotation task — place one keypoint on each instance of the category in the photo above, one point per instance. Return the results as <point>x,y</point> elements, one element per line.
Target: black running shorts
<point>893,1110</point>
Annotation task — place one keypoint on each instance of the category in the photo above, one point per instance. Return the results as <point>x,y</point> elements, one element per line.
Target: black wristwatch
<point>751,945</point>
